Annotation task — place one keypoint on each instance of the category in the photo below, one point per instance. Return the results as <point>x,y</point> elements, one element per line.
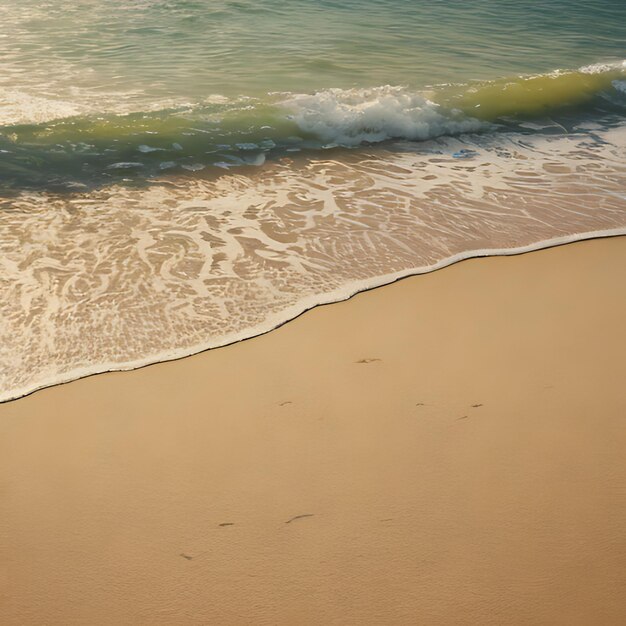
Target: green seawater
<point>94,92</point>
<point>195,48</point>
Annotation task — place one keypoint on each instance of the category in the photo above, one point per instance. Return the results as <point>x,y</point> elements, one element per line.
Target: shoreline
<point>446,449</point>
<point>309,303</point>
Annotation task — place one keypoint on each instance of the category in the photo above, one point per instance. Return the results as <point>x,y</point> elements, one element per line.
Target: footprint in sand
<point>293,519</point>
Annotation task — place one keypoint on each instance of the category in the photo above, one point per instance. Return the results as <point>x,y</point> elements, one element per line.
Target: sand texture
<point>448,449</point>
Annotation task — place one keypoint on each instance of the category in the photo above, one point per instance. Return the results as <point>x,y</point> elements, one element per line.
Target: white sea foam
<point>620,85</point>
<point>601,68</point>
<point>122,277</point>
<point>24,107</point>
<point>350,117</point>
<point>17,107</point>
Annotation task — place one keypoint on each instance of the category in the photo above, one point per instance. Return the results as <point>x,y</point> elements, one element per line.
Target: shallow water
<point>177,175</point>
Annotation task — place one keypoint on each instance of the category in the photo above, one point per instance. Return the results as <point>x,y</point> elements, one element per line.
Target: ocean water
<point>176,175</point>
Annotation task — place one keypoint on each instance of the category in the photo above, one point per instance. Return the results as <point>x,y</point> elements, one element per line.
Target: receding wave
<point>124,275</point>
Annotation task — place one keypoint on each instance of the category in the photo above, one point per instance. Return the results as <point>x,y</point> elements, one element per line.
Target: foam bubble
<point>602,68</point>
<point>353,116</point>
<point>120,277</point>
<point>17,107</point>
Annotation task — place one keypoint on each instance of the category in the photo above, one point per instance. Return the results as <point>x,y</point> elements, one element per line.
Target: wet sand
<point>445,450</point>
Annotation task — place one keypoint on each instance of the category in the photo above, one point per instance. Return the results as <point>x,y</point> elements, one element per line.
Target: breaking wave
<point>42,148</point>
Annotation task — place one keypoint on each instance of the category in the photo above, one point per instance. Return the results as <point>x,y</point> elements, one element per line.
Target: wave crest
<point>350,117</point>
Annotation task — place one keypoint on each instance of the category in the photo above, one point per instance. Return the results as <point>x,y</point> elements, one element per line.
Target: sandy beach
<point>448,449</point>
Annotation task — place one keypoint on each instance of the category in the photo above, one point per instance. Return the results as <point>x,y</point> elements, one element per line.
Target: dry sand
<point>445,450</point>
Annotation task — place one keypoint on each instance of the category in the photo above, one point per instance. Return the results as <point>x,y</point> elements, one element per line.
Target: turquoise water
<point>95,92</point>
<point>192,49</point>
<point>177,175</point>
